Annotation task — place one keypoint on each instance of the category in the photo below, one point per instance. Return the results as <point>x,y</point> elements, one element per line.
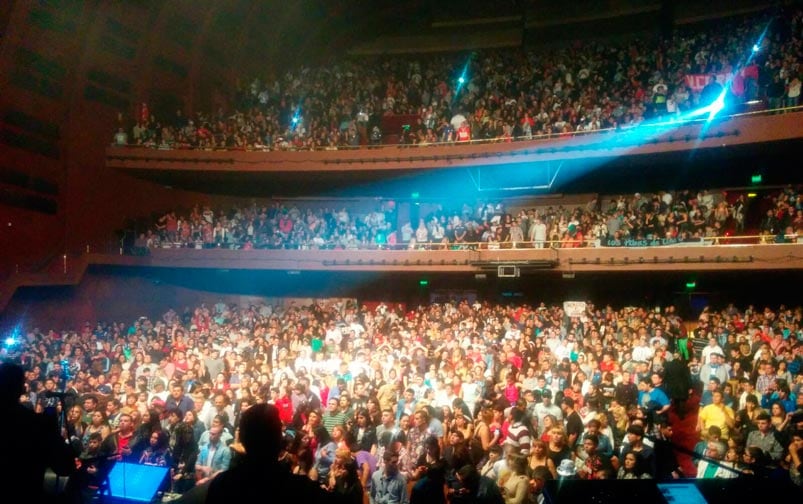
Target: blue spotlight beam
<point>718,104</point>
<point>462,79</point>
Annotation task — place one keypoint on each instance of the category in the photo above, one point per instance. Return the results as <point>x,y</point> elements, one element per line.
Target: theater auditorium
<point>508,252</point>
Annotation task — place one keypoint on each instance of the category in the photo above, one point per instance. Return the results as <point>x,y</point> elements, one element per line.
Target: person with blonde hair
<point>558,448</point>
<point>540,458</point>
<point>514,484</point>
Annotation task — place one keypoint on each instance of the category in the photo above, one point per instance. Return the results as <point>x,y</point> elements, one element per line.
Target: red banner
<point>697,82</point>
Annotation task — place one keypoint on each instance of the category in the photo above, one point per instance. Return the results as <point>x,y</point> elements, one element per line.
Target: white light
<point>461,80</point>
<point>716,106</point>
<point>10,341</point>
<point>756,48</point>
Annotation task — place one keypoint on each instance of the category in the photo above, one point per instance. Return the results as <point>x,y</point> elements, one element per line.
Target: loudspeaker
<point>130,483</point>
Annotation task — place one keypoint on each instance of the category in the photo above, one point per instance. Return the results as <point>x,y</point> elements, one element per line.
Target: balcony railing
<point>644,127</point>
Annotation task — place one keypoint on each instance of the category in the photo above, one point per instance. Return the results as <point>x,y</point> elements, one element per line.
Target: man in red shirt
<point>283,404</point>
<point>463,133</point>
<point>125,433</point>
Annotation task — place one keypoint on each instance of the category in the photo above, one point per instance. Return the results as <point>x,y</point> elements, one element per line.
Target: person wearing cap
<point>567,469</point>
<point>644,454</point>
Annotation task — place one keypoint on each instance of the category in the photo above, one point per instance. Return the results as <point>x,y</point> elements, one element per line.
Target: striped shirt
<point>519,436</point>
<point>330,420</point>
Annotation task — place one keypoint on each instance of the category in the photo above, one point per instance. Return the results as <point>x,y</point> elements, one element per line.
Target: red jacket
<point>285,407</point>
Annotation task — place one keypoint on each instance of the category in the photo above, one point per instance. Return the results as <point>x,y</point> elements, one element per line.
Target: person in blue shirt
<point>406,404</point>
<point>652,398</point>
<point>706,397</point>
<point>780,393</point>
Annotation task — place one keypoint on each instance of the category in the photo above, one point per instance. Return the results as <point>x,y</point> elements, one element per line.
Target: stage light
<point>461,80</point>
<point>756,48</point>
<point>717,105</point>
<point>10,341</point>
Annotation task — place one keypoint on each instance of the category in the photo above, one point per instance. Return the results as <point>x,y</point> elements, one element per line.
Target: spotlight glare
<point>717,105</point>
<point>756,48</point>
<point>461,80</point>
<point>10,341</point>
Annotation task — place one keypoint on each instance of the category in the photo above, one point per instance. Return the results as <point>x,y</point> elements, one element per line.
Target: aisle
<point>685,433</point>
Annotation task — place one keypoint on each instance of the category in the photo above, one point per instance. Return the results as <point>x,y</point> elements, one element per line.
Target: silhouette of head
<point>12,383</point>
<point>261,432</point>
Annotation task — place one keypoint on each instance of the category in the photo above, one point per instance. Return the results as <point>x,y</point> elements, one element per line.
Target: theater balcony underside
<point>478,261</point>
<point>735,270</point>
<point>721,153</point>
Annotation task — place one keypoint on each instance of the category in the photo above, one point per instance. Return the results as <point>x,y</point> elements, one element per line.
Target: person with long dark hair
<point>364,432</point>
<point>149,425</point>
<point>157,453</point>
<point>185,455</point>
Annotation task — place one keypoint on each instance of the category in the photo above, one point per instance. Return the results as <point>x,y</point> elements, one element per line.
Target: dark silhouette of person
<point>260,471</point>
<point>32,442</point>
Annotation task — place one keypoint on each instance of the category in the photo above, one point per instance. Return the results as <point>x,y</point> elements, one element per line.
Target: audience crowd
<point>497,94</point>
<point>399,404</point>
<point>667,217</point>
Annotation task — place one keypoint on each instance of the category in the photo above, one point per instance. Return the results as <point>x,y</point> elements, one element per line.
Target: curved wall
<point>70,73</point>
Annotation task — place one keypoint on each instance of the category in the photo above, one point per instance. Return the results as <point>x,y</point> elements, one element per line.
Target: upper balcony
<point>541,163</point>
